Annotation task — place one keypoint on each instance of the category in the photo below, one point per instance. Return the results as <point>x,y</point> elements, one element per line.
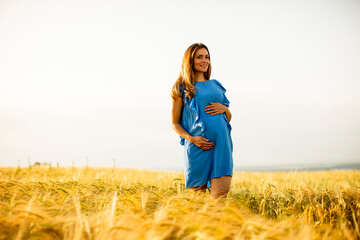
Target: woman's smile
<point>201,60</point>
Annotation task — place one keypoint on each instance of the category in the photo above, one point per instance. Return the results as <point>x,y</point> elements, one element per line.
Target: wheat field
<point>99,203</point>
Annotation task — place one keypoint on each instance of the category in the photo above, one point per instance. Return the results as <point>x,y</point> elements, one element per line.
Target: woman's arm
<point>199,141</point>
<point>218,108</point>
<point>228,114</point>
<point>175,119</point>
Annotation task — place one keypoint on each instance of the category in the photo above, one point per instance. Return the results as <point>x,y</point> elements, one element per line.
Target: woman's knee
<point>220,187</point>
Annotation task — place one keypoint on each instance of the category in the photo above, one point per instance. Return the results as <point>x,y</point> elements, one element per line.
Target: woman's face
<point>201,60</point>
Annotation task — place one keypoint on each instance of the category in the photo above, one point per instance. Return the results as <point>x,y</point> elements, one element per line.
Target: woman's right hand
<point>202,143</point>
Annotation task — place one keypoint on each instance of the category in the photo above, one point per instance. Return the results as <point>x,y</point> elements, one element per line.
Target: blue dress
<point>200,165</point>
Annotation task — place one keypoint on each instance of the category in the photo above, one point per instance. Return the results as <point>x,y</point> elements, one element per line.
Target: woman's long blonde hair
<point>186,78</point>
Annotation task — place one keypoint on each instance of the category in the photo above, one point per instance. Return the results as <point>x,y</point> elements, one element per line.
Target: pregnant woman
<point>200,115</point>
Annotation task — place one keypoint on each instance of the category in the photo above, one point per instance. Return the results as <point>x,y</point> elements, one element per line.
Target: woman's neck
<point>199,77</point>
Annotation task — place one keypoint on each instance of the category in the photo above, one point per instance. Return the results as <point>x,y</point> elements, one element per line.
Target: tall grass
<point>90,203</point>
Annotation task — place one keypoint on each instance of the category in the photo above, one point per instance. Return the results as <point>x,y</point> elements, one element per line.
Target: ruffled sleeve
<point>226,102</point>
<point>190,117</point>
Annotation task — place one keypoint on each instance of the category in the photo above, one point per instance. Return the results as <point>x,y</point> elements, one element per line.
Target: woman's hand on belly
<point>216,108</point>
<point>202,142</point>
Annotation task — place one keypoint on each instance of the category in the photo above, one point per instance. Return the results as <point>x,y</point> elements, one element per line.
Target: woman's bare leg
<point>201,188</point>
<point>220,187</point>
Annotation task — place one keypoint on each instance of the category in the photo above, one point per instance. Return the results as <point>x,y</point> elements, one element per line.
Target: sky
<point>88,82</point>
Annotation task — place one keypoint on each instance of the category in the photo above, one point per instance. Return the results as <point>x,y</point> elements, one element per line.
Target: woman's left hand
<point>216,108</point>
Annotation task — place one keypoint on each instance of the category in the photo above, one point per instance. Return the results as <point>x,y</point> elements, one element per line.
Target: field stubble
<point>93,203</point>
